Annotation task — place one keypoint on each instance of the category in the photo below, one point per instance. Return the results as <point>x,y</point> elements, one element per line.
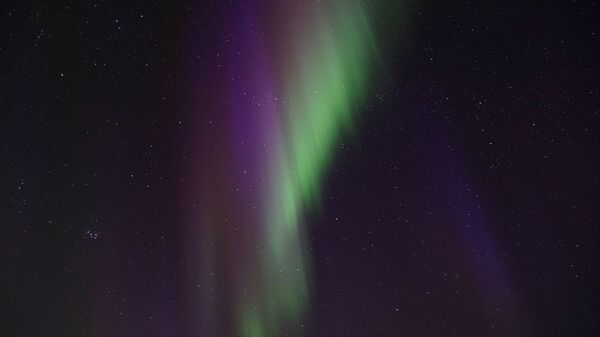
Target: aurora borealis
<point>295,110</point>
<point>299,168</point>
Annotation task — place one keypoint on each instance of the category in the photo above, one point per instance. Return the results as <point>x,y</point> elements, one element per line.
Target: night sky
<point>299,168</point>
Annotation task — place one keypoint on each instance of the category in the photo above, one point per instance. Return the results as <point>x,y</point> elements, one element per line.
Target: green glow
<point>323,92</point>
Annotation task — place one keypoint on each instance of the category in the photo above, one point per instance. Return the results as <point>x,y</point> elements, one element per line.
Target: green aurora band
<point>328,81</point>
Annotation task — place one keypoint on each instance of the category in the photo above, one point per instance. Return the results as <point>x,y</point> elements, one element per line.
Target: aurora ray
<point>292,109</point>
<point>322,93</point>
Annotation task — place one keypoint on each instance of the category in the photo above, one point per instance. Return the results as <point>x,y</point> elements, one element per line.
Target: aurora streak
<point>291,110</point>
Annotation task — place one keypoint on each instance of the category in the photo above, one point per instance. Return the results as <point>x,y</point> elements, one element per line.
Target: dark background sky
<point>465,204</point>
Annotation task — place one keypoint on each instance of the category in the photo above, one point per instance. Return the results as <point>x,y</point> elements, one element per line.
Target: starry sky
<point>299,168</point>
